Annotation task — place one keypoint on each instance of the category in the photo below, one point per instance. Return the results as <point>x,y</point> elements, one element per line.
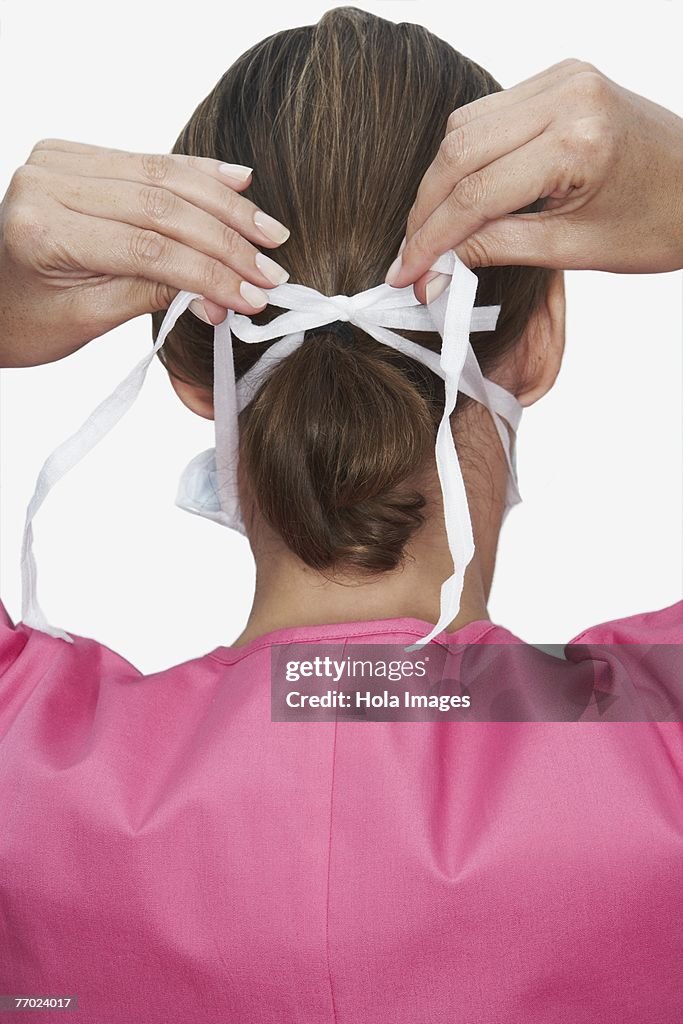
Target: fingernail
<point>254,296</point>
<point>436,285</point>
<point>394,270</point>
<point>237,171</point>
<point>197,307</point>
<point>270,227</point>
<point>272,270</point>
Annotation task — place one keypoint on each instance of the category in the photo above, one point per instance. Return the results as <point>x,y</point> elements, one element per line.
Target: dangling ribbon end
<point>59,634</point>
<point>36,620</point>
<point>417,646</point>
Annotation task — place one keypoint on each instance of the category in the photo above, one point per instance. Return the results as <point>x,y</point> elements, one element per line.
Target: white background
<point>599,533</point>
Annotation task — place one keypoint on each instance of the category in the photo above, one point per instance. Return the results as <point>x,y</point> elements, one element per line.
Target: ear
<point>545,337</point>
<point>196,399</point>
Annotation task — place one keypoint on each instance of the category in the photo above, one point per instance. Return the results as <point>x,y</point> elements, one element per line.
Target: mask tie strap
<point>503,406</point>
<point>97,425</point>
<point>225,421</point>
<point>454,315</point>
<point>458,319</point>
<point>460,296</point>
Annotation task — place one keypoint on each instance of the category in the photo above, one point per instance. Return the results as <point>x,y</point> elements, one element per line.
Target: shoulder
<point>634,663</point>
<point>13,640</point>
<point>662,626</point>
<point>29,656</point>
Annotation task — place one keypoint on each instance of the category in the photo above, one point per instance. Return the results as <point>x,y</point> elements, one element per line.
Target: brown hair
<point>340,121</point>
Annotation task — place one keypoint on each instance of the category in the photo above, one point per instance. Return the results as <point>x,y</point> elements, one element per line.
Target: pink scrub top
<point>168,853</point>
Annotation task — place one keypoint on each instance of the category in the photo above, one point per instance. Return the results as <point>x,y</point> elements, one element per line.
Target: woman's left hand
<point>607,162</point>
<point>92,237</point>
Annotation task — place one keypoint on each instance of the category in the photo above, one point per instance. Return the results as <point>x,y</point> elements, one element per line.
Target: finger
<point>470,148</point>
<point>554,75</point>
<point>482,131</point>
<point>198,180</point>
<point>555,240</point>
<point>158,209</point>
<point>128,297</point>
<point>207,165</point>
<point>543,167</point>
<point>70,146</point>
<point>512,241</point>
<point>204,309</point>
<point>99,246</point>
<point>535,239</point>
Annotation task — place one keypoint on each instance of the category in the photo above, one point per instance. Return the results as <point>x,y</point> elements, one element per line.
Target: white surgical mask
<point>208,485</point>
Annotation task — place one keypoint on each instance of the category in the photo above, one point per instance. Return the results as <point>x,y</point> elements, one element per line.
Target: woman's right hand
<point>608,162</point>
<point>91,237</point>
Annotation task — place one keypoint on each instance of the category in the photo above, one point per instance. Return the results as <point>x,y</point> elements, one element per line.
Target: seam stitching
<point>342,636</point>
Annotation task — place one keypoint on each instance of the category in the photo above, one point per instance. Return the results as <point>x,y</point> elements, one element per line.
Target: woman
<point>169,852</point>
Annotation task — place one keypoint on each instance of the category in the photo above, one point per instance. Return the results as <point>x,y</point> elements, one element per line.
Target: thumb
<point>112,303</point>
<point>128,297</point>
<point>516,240</point>
<point>537,240</point>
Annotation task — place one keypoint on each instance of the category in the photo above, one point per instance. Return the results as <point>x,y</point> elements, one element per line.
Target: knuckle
<point>194,163</point>
<point>231,201</point>
<point>476,252</point>
<point>594,141</point>
<point>469,193</point>
<point>160,295</point>
<point>447,152</point>
<point>587,67</point>
<point>590,84</point>
<point>21,182</point>
<point>23,231</point>
<point>454,146</point>
<point>148,247</point>
<point>586,143</point>
<point>156,166</point>
<point>45,144</point>
<point>38,158</point>
<point>568,62</point>
<point>588,139</point>
<point>157,204</point>
<point>213,276</point>
<point>420,247</point>
<point>455,119</point>
<point>229,242</point>
<point>463,115</point>
<point>575,64</point>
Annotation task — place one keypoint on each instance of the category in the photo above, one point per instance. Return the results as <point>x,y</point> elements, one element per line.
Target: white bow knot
<point>208,485</point>
<point>343,306</point>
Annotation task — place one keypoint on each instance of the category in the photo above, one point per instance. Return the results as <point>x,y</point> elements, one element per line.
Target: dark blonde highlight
<point>340,121</point>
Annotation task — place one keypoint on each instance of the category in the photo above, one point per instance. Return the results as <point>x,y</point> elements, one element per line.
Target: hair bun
<point>329,444</point>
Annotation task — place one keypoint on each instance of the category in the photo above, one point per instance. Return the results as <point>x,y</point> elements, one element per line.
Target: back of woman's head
<point>340,121</point>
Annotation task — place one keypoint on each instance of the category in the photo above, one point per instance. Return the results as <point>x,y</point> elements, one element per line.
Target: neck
<point>289,593</point>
